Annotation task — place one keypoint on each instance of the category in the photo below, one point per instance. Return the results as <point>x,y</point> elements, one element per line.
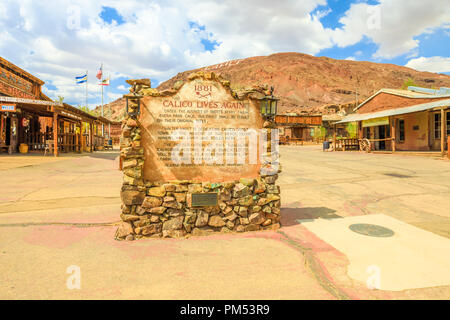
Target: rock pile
<point>164,209</point>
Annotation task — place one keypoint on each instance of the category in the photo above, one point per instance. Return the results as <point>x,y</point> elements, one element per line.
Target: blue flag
<point>81,79</point>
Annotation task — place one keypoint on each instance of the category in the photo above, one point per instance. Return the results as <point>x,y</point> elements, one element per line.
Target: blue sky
<point>157,39</point>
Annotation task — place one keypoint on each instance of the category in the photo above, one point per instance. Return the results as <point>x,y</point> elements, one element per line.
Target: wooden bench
<point>4,147</point>
<point>347,145</point>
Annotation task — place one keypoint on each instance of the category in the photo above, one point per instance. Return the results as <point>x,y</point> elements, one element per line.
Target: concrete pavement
<point>55,214</point>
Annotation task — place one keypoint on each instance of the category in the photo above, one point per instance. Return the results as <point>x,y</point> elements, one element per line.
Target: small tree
<point>408,83</point>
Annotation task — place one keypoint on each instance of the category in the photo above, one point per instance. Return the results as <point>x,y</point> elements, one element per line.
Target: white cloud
<point>350,58</point>
<point>57,40</point>
<point>392,24</point>
<point>431,64</point>
<point>49,39</point>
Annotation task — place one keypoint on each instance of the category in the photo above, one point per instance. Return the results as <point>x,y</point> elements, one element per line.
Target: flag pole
<point>87,89</point>
<point>109,111</point>
<point>101,83</point>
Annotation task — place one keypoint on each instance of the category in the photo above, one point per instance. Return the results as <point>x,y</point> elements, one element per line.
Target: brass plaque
<point>204,199</point>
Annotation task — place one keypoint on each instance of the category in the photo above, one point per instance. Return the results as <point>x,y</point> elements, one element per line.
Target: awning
<point>394,112</point>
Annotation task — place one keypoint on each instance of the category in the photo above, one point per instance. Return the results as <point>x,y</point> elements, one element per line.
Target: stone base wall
<point>164,210</point>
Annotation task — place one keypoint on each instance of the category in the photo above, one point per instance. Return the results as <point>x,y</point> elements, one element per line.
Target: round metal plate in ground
<point>371,230</point>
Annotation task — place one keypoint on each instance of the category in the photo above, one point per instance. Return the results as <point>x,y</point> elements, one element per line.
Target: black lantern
<point>269,105</point>
<point>134,109</point>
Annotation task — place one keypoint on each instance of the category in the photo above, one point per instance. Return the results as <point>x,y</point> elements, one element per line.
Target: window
<point>448,123</point>
<point>401,130</point>
<point>437,126</point>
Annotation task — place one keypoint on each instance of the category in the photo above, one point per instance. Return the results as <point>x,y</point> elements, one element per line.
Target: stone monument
<point>196,160</point>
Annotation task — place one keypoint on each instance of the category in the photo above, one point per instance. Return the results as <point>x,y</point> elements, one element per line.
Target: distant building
<point>32,122</point>
<point>417,119</point>
<point>296,128</point>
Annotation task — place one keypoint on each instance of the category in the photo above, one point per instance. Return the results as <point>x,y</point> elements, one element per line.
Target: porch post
<point>55,134</point>
<point>334,137</point>
<point>443,131</point>
<point>393,133</point>
<point>91,136</point>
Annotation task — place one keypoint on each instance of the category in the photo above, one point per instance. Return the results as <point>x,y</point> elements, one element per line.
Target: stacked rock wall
<point>164,209</point>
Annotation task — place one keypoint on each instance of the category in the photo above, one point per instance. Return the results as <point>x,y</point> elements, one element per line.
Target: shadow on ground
<point>294,216</point>
<point>112,155</point>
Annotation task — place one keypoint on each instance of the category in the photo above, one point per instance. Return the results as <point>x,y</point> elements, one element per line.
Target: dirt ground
<point>60,214</point>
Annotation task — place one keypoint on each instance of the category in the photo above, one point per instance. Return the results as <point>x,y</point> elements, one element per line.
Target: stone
<point>180,197</point>
<point>157,191</point>
<point>271,179</point>
<point>202,219</point>
<point>267,222</point>
<point>267,209</point>
<point>132,123</point>
<point>246,201</point>
<point>247,182</point>
<point>158,210</point>
<point>275,210</point>
<point>256,218</point>
<point>154,218</point>
<point>274,226</point>
<point>231,217</point>
<point>200,232</point>
<point>225,196</point>
<point>271,188</point>
<point>227,210</point>
<point>152,229</point>
<point>181,188</point>
<point>140,211</point>
<point>132,197</point>
<point>178,84</point>
<point>124,230</point>
<point>169,199</point>
<point>216,221</point>
<point>190,218</point>
<point>135,172</point>
<point>272,197</point>
<point>173,223</point>
<point>174,212</point>
<point>244,221</point>
<point>170,187</point>
<point>260,186</point>
<point>129,217</point>
<point>230,225</point>
<point>252,227</point>
<point>126,209</point>
<point>240,228</point>
<point>129,237</point>
<point>241,190</point>
<point>129,163</point>
<point>151,202</point>
<point>171,204</point>
<point>195,188</point>
<point>174,233</point>
<point>256,208</point>
<point>222,206</point>
<point>243,212</point>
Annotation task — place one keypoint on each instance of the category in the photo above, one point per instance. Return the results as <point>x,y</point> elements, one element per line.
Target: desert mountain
<point>306,83</point>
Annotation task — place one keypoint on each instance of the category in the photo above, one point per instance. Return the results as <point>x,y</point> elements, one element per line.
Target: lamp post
<point>133,104</point>
<point>269,106</point>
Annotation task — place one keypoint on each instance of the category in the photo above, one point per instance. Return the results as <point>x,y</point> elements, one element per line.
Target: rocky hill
<point>306,83</point>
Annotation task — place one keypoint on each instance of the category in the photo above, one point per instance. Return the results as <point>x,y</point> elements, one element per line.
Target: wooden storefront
<point>31,121</point>
<point>296,129</point>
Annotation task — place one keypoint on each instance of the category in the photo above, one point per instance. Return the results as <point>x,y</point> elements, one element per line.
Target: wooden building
<point>30,120</point>
<point>417,119</point>
<point>297,128</point>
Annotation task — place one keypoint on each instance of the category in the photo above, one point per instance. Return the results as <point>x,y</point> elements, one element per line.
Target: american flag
<point>99,73</point>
